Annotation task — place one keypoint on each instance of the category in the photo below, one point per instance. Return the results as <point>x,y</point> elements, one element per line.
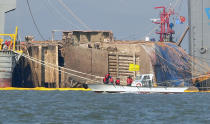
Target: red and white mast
<point>166,31</point>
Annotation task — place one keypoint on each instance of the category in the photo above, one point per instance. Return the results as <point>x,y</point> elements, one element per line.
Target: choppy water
<point>89,107</point>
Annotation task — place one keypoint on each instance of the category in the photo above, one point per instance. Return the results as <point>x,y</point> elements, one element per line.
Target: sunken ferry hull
<point>7,64</point>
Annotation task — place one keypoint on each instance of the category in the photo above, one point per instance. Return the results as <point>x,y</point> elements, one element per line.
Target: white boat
<point>109,88</point>
<point>142,84</point>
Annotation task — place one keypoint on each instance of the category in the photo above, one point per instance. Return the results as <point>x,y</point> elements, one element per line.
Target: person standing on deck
<point>106,78</point>
<point>129,81</point>
<point>111,80</point>
<point>117,82</point>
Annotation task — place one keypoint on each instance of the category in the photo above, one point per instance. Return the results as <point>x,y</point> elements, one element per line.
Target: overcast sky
<point>128,19</point>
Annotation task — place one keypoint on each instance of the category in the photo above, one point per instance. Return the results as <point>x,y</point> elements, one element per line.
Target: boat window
<point>138,77</point>
<point>146,77</point>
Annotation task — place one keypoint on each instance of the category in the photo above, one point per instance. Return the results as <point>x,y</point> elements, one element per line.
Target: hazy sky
<point>128,19</point>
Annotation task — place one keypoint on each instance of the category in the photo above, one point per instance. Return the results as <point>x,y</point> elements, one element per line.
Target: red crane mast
<point>166,31</point>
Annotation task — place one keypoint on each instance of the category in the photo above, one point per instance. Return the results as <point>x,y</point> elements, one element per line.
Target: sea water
<point>79,107</point>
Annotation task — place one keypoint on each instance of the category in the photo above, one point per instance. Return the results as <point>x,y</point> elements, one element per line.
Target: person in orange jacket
<point>129,81</point>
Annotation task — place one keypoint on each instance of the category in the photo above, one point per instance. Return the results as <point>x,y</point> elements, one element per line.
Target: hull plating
<point>7,64</point>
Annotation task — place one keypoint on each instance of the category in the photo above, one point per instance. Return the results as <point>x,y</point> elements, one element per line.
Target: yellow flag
<point>133,67</point>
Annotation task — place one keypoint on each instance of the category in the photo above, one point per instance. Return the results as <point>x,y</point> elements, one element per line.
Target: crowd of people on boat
<point>5,45</point>
<point>109,80</point>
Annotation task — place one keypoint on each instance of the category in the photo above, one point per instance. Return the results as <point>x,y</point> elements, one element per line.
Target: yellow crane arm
<point>13,39</point>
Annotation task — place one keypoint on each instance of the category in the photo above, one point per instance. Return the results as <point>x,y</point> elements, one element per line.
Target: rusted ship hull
<point>7,64</point>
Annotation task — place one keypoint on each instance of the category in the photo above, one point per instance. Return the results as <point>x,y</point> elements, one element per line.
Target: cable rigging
<point>60,14</point>
<point>34,21</point>
<point>55,67</point>
<point>52,66</point>
<point>73,14</point>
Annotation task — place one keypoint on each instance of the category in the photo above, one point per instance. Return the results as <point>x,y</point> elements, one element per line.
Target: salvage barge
<point>8,59</point>
<point>7,64</point>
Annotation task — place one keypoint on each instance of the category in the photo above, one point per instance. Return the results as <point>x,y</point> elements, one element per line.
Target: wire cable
<point>73,14</point>
<point>60,14</point>
<point>55,67</point>
<point>34,21</point>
